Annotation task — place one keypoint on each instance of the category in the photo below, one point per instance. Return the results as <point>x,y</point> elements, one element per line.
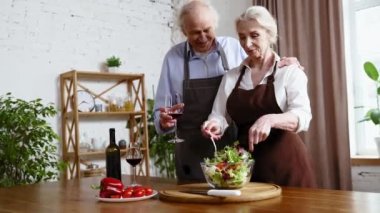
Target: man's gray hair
<point>189,7</point>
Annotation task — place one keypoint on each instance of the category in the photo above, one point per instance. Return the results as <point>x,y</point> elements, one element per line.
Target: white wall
<point>41,39</point>
<point>228,12</point>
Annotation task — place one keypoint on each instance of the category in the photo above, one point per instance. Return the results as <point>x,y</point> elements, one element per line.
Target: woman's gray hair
<point>263,17</point>
<point>189,7</point>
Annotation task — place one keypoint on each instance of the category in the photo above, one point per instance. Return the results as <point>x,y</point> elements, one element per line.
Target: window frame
<point>361,144</point>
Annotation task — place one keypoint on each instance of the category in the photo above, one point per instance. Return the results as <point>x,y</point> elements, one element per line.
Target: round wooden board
<point>250,192</point>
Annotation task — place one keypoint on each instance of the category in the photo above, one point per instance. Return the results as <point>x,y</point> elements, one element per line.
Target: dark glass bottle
<point>113,157</point>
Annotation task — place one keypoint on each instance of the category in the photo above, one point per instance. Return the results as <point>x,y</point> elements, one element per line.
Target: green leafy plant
<point>373,114</point>
<point>27,150</point>
<point>113,61</point>
<point>161,151</point>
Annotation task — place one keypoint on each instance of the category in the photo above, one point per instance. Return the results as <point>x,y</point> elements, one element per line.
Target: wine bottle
<point>113,161</point>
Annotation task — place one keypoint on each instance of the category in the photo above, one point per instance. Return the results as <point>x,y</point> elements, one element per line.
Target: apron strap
<point>186,63</point>
<point>222,54</point>
<point>271,77</point>
<point>242,71</point>
<point>187,59</point>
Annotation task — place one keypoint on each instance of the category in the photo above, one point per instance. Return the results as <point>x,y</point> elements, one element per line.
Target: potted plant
<point>373,114</point>
<point>113,63</point>
<point>28,153</point>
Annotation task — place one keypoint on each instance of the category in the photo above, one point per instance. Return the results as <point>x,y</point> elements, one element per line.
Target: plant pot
<point>377,141</point>
<point>113,69</point>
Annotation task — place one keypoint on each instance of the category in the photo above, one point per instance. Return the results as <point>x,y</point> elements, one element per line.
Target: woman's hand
<point>259,131</point>
<point>211,129</point>
<point>167,121</point>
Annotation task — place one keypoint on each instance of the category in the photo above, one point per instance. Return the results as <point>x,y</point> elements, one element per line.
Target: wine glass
<point>175,113</point>
<point>134,157</point>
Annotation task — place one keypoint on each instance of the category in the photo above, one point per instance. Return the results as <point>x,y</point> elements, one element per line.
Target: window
<point>362,42</point>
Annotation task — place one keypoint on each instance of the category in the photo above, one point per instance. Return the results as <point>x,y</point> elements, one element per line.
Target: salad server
<point>215,192</point>
<point>215,149</point>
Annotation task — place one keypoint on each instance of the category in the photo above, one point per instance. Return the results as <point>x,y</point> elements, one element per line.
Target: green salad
<point>230,167</point>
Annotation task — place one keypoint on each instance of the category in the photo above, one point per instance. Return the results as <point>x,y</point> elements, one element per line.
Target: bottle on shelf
<point>113,162</point>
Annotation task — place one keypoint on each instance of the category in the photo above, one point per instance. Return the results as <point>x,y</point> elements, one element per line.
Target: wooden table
<point>77,196</point>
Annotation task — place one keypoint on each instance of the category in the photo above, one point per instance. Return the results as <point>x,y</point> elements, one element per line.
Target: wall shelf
<point>73,81</point>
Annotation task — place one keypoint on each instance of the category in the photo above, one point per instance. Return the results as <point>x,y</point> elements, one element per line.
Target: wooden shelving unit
<point>70,83</point>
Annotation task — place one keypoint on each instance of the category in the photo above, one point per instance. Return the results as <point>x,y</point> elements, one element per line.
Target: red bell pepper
<point>108,181</point>
<point>110,187</point>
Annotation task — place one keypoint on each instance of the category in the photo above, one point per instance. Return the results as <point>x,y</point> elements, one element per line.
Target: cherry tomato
<point>139,192</point>
<point>221,165</point>
<point>127,192</point>
<point>148,190</point>
<point>130,188</point>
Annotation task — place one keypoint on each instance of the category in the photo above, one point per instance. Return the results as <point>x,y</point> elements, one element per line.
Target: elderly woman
<point>268,104</point>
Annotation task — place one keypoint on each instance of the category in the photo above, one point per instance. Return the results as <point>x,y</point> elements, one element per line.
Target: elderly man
<point>193,70</point>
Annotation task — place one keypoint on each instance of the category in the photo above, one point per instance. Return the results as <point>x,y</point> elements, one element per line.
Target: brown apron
<point>282,158</point>
<point>198,96</point>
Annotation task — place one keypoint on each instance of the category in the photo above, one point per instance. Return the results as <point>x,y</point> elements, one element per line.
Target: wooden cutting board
<point>250,192</point>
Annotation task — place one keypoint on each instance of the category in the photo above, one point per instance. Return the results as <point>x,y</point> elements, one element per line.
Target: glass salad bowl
<point>231,168</point>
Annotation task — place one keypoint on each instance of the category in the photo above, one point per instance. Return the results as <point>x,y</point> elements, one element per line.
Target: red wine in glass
<point>134,161</point>
<point>134,157</point>
<point>174,112</point>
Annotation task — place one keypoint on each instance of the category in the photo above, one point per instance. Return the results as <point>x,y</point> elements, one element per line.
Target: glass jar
<point>120,104</point>
<point>128,104</point>
<point>112,104</point>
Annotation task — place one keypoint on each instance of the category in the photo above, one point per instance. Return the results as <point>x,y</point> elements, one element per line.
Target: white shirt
<point>290,86</point>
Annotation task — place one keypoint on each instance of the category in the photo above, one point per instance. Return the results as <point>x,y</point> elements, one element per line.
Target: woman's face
<point>253,38</point>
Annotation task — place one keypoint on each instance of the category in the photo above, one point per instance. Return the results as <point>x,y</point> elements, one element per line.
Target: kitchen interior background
<point>41,39</point>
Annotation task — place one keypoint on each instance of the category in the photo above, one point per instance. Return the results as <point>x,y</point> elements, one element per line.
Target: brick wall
<point>39,39</point>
